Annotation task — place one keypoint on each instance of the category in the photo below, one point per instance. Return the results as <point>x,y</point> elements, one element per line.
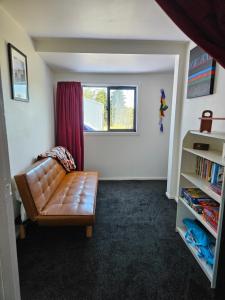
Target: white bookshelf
<point>188,178</point>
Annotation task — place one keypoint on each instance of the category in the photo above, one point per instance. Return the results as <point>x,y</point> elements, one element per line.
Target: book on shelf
<point>193,194</point>
<point>197,199</point>
<point>202,204</point>
<point>210,171</point>
<point>217,188</point>
<point>211,216</point>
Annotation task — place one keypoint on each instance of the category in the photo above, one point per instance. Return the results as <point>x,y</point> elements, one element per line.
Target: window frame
<point>115,87</point>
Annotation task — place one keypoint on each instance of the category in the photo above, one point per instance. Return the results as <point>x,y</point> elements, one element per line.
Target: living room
<point>136,167</point>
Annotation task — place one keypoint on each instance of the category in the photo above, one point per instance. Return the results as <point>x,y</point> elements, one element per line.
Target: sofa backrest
<point>37,184</point>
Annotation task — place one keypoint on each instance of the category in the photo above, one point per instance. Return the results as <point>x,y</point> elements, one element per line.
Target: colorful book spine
<point>210,171</point>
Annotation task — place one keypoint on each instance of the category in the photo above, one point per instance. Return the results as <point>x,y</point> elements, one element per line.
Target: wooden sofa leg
<point>89,230</point>
<point>22,232</point>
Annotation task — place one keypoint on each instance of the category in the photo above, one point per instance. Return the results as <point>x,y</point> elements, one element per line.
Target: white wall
<point>30,126</point>
<point>193,108</point>
<point>142,155</point>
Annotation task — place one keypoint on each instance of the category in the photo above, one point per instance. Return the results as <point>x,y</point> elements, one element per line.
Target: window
<point>111,108</point>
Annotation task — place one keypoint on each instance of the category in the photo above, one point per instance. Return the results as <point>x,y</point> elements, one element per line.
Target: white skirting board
<point>169,196</point>
<point>132,178</point>
<point>175,198</point>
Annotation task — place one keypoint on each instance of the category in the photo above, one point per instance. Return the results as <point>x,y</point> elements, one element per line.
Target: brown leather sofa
<point>53,197</point>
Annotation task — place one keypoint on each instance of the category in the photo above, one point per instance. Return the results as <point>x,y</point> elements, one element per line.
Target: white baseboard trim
<point>175,198</point>
<point>132,178</point>
<point>169,196</point>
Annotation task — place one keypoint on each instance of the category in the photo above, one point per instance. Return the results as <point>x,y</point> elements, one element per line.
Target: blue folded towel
<point>200,239</point>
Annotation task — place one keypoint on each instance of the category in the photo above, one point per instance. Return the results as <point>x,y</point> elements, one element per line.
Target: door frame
<point>9,275</point>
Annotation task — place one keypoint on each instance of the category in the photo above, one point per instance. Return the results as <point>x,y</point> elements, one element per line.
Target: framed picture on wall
<point>18,74</point>
<point>201,73</point>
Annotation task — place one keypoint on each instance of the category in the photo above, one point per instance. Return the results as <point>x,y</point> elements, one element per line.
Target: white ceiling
<point>109,63</point>
<point>125,19</point>
<point>102,19</point>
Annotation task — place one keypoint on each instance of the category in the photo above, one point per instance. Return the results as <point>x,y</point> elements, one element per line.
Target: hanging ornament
<point>163,108</point>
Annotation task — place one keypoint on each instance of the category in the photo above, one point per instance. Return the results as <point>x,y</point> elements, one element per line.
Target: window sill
<point>109,133</point>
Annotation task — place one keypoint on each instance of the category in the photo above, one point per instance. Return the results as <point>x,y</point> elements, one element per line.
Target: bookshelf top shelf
<point>214,134</point>
<point>212,155</point>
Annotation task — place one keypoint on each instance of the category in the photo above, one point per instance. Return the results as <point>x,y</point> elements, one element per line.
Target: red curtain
<point>69,120</point>
<point>202,20</point>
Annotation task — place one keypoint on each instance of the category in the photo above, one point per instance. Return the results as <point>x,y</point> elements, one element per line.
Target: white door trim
<point>9,276</point>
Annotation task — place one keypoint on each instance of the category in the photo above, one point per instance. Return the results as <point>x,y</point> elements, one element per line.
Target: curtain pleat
<point>69,120</point>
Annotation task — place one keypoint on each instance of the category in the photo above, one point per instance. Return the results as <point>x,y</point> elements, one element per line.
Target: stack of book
<point>202,204</point>
<point>210,171</point>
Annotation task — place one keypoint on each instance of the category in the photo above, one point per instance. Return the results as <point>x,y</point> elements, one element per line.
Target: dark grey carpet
<point>134,253</point>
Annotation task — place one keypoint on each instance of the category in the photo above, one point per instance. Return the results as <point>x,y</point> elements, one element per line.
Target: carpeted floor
<point>134,253</point>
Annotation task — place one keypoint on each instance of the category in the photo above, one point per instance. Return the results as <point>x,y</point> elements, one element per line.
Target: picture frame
<point>201,73</point>
<point>18,74</point>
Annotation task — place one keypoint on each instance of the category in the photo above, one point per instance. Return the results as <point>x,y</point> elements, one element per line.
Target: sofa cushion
<point>75,195</point>
<point>43,179</point>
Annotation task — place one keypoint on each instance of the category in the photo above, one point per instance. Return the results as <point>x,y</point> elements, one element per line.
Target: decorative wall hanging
<point>206,120</point>
<point>201,73</point>
<point>163,107</point>
<point>18,74</point>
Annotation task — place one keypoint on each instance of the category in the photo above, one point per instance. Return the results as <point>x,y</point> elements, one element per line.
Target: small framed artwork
<point>201,73</point>
<point>18,74</point>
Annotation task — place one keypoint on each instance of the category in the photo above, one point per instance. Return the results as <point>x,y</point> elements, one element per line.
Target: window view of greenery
<point>120,103</point>
<point>121,109</point>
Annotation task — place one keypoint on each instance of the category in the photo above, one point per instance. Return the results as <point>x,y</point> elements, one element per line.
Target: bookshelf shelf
<point>213,155</point>
<point>199,218</point>
<point>190,165</point>
<point>202,184</point>
<point>205,267</point>
<point>213,135</point>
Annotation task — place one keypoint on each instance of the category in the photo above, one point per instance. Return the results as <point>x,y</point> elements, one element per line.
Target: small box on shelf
<point>201,146</point>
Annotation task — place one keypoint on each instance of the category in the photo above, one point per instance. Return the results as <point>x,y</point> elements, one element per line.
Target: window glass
<point>95,108</point>
<point>109,108</point>
<point>122,103</point>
